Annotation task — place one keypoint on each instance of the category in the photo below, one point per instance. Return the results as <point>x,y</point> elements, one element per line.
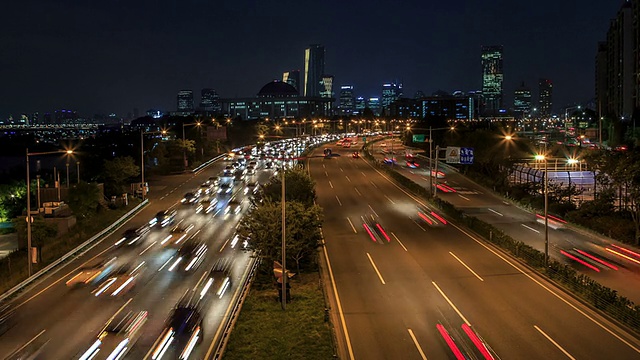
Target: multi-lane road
<point>604,260</point>
<point>428,292</point>
<point>68,320</point>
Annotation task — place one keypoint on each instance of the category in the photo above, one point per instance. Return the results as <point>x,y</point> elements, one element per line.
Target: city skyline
<point>96,65</point>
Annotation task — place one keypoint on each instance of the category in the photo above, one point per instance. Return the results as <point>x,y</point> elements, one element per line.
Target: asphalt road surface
<point>67,320</point>
<point>431,291</point>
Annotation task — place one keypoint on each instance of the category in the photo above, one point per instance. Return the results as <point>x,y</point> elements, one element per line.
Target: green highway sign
<point>418,138</point>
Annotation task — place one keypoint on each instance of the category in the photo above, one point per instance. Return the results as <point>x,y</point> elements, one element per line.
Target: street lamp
<point>142,133</point>
<point>541,157</point>
<point>184,149</point>
<point>431,130</point>
<point>29,219</point>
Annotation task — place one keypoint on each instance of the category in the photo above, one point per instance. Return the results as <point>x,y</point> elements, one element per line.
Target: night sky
<point>108,56</point>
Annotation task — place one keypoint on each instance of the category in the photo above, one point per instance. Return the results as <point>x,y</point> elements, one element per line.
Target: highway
<point>67,320</point>
<point>431,292</point>
<point>615,268</point>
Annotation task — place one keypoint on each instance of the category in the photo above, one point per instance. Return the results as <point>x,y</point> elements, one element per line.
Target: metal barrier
<point>79,250</point>
<point>207,163</point>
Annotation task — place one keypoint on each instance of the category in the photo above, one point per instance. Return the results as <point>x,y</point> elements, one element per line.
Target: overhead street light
<point>142,133</point>
<point>541,157</point>
<point>184,149</point>
<point>29,218</point>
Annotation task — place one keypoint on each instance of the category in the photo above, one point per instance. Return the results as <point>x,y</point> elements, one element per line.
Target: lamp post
<point>142,133</point>
<point>78,170</point>
<point>284,246</point>
<point>431,130</point>
<point>184,149</point>
<point>67,174</point>
<point>546,209</point>
<point>29,219</point>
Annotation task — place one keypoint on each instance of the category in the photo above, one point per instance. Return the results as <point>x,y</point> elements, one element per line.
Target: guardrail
<point>79,250</point>
<point>235,312</point>
<point>207,163</point>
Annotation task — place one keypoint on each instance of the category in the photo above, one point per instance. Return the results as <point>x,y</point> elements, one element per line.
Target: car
<point>177,234</point>
<point>412,164</point>
<point>388,160</point>
<point>355,155</point>
<point>189,256</point>
<point>373,228</point>
<point>217,281</point>
<point>250,170</point>
<point>234,206</point>
<point>225,188</point>
<point>163,218</point>
<point>205,189</point>
<point>189,198</point>
<point>206,205</point>
<point>120,281</point>
<point>430,217</point>
<point>251,187</point>
<point>92,273</point>
<point>118,336</point>
<point>133,236</point>
<point>183,330</point>
<point>268,165</point>
<point>213,181</point>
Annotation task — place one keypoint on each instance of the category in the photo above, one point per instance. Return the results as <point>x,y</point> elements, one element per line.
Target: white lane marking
<point>374,184</point>
<point>506,202</point>
<point>420,226</point>
<point>425,179</point>
<point>347,178</point>
<point>373,210</point>
<point>388,198</point>
<point>330,184</point>
<point>341,170</point>
<point>148,247</point>
<point>451,303</point>
<point>29,342</point>
<point>495,212</point>
<point>357,191</point>
<point>324,167</point>
<point>363,174</point>
<point>325,174</point>
<point>464,197</point>
<point>223,245</point>
<point>554,343</point>
<point>530,228</point>
<point>415,342</point>
<point>353,227</point>
<point>479,242</point>
<point>376,269</point>
<point>465,265</point>
<point>338,200</point>
<point>399,242</point>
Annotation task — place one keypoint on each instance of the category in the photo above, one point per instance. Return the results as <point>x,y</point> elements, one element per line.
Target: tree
<point>299,187</point>
<point>118,172</point>
<point>263,227</point>
<point>12,199</point>
<point>84,199</point>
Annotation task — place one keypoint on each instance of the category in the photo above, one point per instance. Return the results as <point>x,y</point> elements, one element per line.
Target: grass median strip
<point>265,331</point>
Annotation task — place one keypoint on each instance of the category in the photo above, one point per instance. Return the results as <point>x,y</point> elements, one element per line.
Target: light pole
<point>184,148</point>
<point>142,133</point>
<point>67,174</point>
<point>29,218</point>
<point>546,209</point>
<point>78,170</point>
<point>431,130</point>
<point>284,246</point>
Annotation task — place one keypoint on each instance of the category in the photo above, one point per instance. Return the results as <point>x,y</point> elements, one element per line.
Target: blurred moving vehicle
<point>92,274</point>
<point>234,206</point>
<point>183,329</point>
<point>133,236</point>
<point>163,218</point>
<point>205,189</point>
<point>206,205</point>
<point>177,234</point>
<point>412,164</point>
<point>374,229</point>
<point>189,256</point>
<point>225,188</point>
<point>430,217</point>
<point>356,155</point>
<point>251,187</point>
<point>388,160</point>
<point>189,198</point>
<point>121,280</point>
<point>213,181</point>
<point>117,337</point>
<point>217,281</point>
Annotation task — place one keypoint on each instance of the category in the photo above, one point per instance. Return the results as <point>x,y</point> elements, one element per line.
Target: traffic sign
<point>466,156</point>
<point>418,138</point>
<point>453,155</point>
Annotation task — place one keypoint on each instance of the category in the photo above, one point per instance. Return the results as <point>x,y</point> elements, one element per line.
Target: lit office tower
<point>326,90</point>
<point>313,70</point>
<point>347,100</point>
<point>374,105</point>
<point>210,101</point>
<point>185,100</point>
<point>390,93</point>
<point>492,78</point>
<point>545,93</point>
<point>522,101</point>
<point>292,78</point>
<point>361,104</point>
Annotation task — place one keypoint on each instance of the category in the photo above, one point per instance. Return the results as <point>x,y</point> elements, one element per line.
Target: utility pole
<point>284,243</point>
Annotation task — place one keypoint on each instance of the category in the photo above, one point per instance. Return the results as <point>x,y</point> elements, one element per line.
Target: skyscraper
<point>545,93</point>
<point>492,78</point>
<point>374,104</point>
<point>210,101</point>
<point>326,89</point>
<point>522,101</point>
<point>292,78</point>
<point>313,70</point>
<point>361,104</point>
<point>347,100</point>
<point>390,93</point>
<point>185,101</point>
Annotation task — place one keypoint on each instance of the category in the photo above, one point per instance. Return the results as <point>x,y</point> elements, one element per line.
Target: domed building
<point>277,99</point>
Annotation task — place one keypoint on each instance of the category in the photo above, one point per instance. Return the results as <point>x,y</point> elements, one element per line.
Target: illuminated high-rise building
<point>210,101</point>
<point>390,93</point>
<point>292,78</point>
<point>347,100</point>
<point>185,101</point>
<point>545,87</point>
<point>374,104</point>
<point>492,78</point>
<point>522,101</point>
<point>326,90</point>
<point>313,70</point>
<point>361,104</point>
